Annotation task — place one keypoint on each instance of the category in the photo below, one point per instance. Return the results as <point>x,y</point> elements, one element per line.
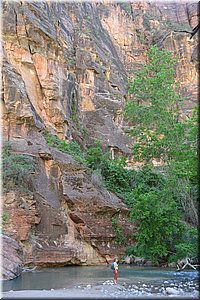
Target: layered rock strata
<point>67,218</point>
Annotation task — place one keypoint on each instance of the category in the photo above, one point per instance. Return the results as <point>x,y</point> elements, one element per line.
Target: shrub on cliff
<point>71,148</point>
<point>115,176</point>
<point>94,156</point>
<point>17,169</point>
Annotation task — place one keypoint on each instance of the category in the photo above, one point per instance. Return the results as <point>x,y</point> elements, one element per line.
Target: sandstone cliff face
<point>66,219</point>
<point>134,27</point>
<point>65,68</point>
<point>70,62</point>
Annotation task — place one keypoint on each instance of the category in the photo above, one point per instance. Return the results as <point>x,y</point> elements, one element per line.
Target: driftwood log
<point>184,263</point>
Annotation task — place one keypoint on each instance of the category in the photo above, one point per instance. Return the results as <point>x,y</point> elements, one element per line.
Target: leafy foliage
<point>120,238</point>
<point>188,247</point>
<point>159,226</point>
<point>95,156</point>
<point>146,22</point>
<point>126,7</point>
<point>116,177</point>
<point>159,202</point>
<point>143,181</point>
<point>130,250</point>
<point>74,109</point>
<point>71,148</point>
<point>154,113</point>
<point>5,216</point>
<point>17,169</point>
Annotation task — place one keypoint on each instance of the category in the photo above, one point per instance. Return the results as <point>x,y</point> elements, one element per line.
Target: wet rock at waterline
<point>11,257</point>
<point>190,290</point>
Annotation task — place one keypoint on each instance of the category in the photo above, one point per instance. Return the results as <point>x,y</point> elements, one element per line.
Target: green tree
<point>188,247</point>
<point>158,225</point>
<point>155,108</point>
<point>153,113</point>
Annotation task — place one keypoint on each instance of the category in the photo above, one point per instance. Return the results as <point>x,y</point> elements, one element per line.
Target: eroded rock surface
<point>11,258</point>
<point>134,27</point>
<point>67,218</point>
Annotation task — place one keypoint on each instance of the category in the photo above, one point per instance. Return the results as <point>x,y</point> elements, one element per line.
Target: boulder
<point>148,263</point>
<point>12,258</point>
<point>172,291</point>
<point>172,265</point>
<point>129,260</point>
<point>139,261</point>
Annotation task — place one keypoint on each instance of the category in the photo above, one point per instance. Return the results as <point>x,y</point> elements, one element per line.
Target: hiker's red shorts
<point>115,274</point>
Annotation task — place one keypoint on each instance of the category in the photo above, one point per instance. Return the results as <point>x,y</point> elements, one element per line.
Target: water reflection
<point>65,277</point>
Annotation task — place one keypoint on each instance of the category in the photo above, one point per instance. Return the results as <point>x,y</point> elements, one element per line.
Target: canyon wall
<point>65,69</point>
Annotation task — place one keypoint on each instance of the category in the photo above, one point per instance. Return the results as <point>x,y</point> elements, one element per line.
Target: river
<point>141,279</point>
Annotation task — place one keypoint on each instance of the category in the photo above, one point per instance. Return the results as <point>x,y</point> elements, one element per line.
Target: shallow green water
<point>70,276</point>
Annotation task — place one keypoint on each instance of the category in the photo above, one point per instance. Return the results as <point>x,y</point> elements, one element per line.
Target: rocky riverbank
<point>107,289</point>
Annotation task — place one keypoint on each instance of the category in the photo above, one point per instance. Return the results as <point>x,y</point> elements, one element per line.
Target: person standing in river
<point>115,270</point>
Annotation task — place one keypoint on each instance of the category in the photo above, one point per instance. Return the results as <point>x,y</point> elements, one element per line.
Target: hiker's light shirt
<point>115,266</point>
